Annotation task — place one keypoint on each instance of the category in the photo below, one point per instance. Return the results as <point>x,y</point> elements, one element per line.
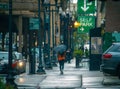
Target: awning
<point>4,24</point>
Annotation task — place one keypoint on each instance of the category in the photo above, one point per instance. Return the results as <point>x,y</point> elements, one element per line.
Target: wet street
<point>39,30</point>
<point>73,78</point>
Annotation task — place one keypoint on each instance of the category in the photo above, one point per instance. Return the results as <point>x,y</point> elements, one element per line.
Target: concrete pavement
<point>52,79</point>
<point>73,78</point>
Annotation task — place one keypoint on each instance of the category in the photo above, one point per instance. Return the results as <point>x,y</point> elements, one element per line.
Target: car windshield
<point>114,48</point>
<point>14,56</point>
<point>19,56</point>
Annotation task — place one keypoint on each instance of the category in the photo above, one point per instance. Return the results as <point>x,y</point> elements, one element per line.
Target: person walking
<point>61,60</point>
<point>68,55</point>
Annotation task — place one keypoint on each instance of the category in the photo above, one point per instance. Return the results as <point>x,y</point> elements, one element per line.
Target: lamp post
<point>53,41</point>
<point>62,25</point>
<point>49,59</point>
<point>54,30</point>
<point>76,25</point>
<point>49,56</point>
<point>40,66</point>
<point>46,4</point>
<point>69,17</point>
<point>10,76</point>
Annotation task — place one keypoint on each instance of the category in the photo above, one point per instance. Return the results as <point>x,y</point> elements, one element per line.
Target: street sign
<point>85,7</point>
<point>87,22</point>
<point>4,6</point>
<point>34,23</point>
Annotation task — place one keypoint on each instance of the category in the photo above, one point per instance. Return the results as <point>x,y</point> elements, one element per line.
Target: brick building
<point>112,17</point>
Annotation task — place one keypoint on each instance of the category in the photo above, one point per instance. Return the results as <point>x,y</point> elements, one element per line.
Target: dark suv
<point>111,60</point>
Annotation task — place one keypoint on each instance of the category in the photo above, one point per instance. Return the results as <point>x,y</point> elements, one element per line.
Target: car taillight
<point>107,56</point>
<point>14,64</point>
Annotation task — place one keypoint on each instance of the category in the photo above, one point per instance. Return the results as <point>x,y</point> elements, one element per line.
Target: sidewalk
<point>73,78</point>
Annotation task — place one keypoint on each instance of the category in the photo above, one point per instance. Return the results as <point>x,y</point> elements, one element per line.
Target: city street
<point>34,33</point>
<point>73,78</point>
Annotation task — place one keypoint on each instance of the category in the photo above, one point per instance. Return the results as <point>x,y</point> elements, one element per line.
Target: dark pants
<point>61,65</point>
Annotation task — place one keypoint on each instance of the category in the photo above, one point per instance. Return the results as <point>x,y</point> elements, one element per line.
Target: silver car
<point>111,60</point>
<point>18,64</point>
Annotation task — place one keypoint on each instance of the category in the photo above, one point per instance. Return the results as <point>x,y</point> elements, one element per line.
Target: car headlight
<point>20,64</point>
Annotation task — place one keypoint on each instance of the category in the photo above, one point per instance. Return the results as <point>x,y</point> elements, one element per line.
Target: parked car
<point>111,60</point>
<point>18,64</point>
<point>22,62</point>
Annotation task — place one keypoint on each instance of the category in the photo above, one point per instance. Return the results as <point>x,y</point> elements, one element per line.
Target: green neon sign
<point>86,23</point>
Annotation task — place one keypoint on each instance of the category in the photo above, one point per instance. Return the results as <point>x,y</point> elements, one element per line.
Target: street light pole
<point>10,76</point>
<point>40,66</point>
<point>67,28</point>
<point>53,41</point>
<point>62,25</point>
<point>49,32</point>
<point>48,64</point>
<point>47,51</point>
